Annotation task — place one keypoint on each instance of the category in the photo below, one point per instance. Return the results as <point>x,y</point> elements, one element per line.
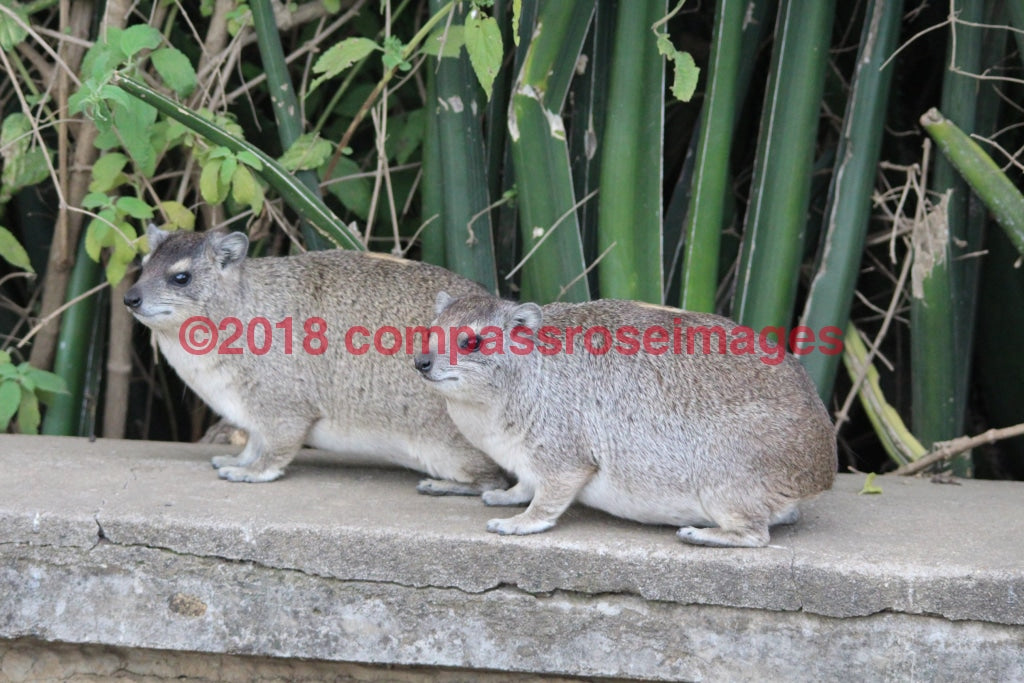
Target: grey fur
<point>370,404</point>
<point>721,445</point>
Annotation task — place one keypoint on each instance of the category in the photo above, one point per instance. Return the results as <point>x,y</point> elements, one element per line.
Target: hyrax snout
<point>580,403</point>
<point>290,349</point>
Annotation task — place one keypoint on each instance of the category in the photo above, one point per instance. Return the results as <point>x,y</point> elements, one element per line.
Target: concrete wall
<point>139,547</point>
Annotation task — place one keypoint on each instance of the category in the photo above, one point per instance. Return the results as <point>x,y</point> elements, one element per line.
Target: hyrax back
<point>334,398</point>
<point>721,444</point>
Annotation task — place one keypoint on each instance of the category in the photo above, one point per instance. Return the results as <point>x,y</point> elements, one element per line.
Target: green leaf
<point>10,397</point>
<point>175,69</point>
<point>12,251</point>
<point>209,183</point>
<point>250,160</point>
<point>308,151</point>
<point>116,270</point>
<point>46,381</point>
<point>339,57</point>
<point>12,33</point>
<point>178,216</point>
<point>483,43</point>
<point>245,189</point>
<point>135,125</point>
<point>444,43</point>
<point>107,173</point>
<point>517,13</point>
<point>96,236</point>
<point>94,200</point>
<point>686,74</point>
<point>134,207</point>
<point>227,170</point>
<point>356,193</point>
<point>28,413</point>
<point>332,6</point>
<point>139,37</point>
<point>869,484</point>
<point>5,360</point>
<point>394,54</point>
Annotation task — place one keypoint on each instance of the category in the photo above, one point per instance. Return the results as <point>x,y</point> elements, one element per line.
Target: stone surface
<point>140,545</point>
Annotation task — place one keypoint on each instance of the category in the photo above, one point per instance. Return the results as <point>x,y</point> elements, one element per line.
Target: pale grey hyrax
<point>348,397</point>
<point>629,421</point>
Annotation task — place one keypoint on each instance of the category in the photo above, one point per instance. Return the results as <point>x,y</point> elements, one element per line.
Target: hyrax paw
<point>246,474</point>
<point>445,487</point>
<point>722,538</point>
<point>219,461</point>
<point>518,526</point>
<point>497,497</point>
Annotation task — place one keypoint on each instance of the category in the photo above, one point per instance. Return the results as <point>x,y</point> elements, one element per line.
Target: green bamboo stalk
<point>432,235</point>
<point>984,176</point>
<point>589,95</point>
<point>285,104</point>
<point>773,234</point>
<point>711,172</point>
<point>295,194</point>
<point>73,348</point>
<point>959,102</point>
<point>629,225</point>
<point>465,213</point>
<point>932,348</point>
<point>553,253</point>
<point>1015,13</point>
<point>849,204</point>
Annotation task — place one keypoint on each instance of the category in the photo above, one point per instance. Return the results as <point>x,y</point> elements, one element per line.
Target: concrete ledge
<point>138,544</point>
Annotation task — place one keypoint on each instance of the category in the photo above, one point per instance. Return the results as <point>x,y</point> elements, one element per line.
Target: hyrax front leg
<point>552,496</point>
<point>263,458</point>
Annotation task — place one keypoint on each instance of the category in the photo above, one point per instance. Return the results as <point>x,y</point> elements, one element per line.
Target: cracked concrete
<point>139,544</point>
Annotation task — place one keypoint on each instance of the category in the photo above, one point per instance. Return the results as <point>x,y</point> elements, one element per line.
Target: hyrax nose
<point>133,299</point>
<point>423,362</point>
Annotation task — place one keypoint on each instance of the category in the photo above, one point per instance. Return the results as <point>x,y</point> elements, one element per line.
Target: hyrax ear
<point>442,301</point>
<point>227,248</point>
<point>526,315</point>
<point>155,236</point>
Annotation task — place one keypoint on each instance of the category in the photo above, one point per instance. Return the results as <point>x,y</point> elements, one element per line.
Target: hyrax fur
<point>368,404</point>
<point>721,445</point>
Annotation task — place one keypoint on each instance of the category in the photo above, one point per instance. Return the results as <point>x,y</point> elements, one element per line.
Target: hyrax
<point>722,445</point>
<point>289,389</point>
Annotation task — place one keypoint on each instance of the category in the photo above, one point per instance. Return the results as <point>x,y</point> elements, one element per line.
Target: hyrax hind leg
<point>460,471</point>
<point>264,457</point>
<point>552,495</point>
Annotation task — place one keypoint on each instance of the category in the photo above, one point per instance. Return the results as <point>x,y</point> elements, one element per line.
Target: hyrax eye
<point>468,343</point>
<point>181,279</point>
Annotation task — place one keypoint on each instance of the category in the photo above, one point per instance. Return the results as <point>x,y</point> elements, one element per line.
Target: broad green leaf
<point>410,128</point>
<point>12,251</point>
<point>394,57</point>
<point>356,193</point>
<point>46,381</point>
<point>227,170</point>
<point>94,200</point>
<point>12,33</point>
<point>5,359</point>
<point>443,43</point>
<point>178,215</point>
<point>250,160</point>
<point>116,269</point>
<point>339,57</point>
<point>10,397</point>
<point>332,6</point>
<point>135,125</point>
<point>95,233</point>
<point>209,183</point>
<point>308,151</point>
<point>107,172</point>
<point>134,207</point>
<point>28,413</point>
<point>483,43</point>
<point>245,189</point>
<point>175,69</point>
<point>139,37</point>
<point>686,71</point>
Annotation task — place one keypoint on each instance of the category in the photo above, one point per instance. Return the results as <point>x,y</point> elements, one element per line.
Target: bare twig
<point>943,450</point>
